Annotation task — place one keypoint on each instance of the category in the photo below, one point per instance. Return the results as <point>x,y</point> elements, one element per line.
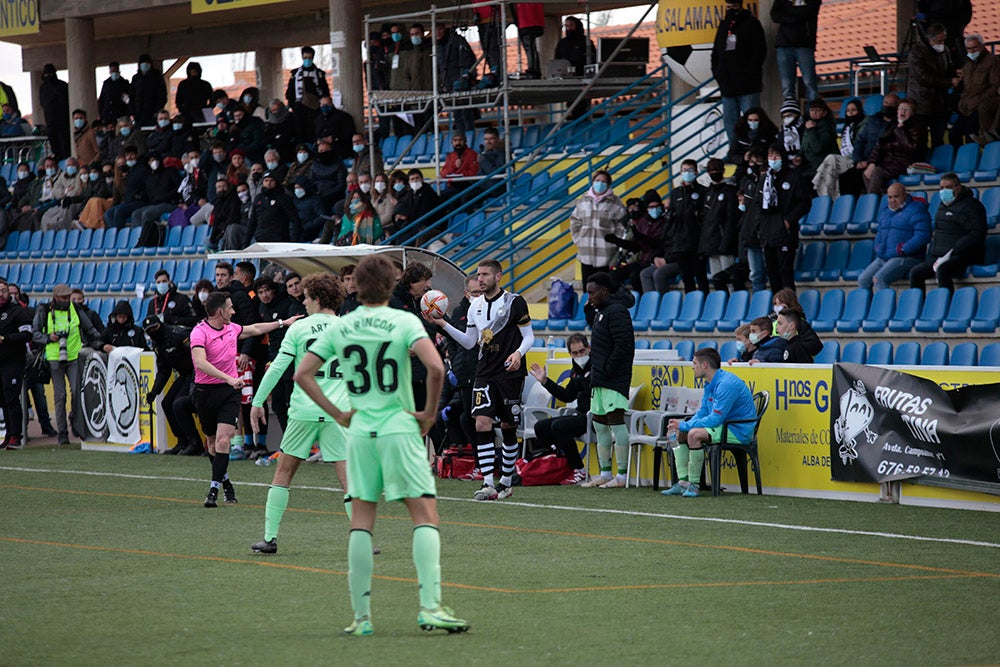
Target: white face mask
<point>415,185</point>
<point>754,338</point>
<point>379,187</point>
<point>365,187</point>
<point>788,121</point>
<point>778,308</point>
<point>203,296</point>
<point>582,361</point>
<point>938,47</point>
<point>189,167</point>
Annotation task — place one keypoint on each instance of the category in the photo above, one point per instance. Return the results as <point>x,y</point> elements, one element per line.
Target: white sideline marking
<point>654,515</point>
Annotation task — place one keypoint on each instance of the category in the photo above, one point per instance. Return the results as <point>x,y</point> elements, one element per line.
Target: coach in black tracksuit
<point>683,233</point>
<point>172,346</point>
<point>783,197</point>
<point>562,432</point>
<point>15,332</point>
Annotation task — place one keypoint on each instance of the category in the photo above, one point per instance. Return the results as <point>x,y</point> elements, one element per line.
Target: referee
<point>217,385</point>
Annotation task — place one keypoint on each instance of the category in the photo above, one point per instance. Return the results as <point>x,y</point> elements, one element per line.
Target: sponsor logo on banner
<point>205,6</point>
<point>123,395</point>
<point>686,22</point>
<point>19,17</point>
<point>94,395</point>
<point>856,413</point>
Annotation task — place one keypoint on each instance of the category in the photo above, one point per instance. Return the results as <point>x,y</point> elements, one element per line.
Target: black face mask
<point>60,305</point>
<point>325,157</point>
<point>156,334</point>
<point>889,113</point>
<point>634,215</point>
<point>716,176</point>
<point>256,177</point>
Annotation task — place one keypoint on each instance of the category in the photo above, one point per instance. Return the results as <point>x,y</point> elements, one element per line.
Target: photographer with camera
<point>63,330</point>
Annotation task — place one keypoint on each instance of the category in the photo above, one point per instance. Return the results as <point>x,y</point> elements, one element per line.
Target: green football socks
<point>360,564</point>
<point>427,559</point>
<point>274,509</point>
<point>681,456</point>
<point>620,432</point>
<point>694,467</point>
<point>603,433</point>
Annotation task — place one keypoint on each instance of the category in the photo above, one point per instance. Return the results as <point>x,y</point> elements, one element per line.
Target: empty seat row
<point>113,276</point>
<point>966,162</point>
<point>101,243</point>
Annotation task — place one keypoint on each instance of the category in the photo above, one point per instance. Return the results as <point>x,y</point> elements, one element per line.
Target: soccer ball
<point>434,303</point>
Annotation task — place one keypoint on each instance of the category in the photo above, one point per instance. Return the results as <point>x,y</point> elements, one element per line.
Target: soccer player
<point>217,385</point>
<point>499,322</point>
<point>307,422</point>
<point>385,448</point>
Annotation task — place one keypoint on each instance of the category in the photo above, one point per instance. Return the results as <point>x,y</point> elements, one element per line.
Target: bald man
<point>904,229</point>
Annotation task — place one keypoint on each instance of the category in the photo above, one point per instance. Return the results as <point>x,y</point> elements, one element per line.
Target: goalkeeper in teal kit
<point>307,422</point>
<point>385,448</point>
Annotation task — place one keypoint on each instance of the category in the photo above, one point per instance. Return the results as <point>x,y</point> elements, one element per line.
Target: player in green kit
<point>385,448</point>
<point>307,422</point>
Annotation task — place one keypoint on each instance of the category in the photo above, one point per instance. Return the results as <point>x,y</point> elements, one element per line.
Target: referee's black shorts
<point>216,404</point>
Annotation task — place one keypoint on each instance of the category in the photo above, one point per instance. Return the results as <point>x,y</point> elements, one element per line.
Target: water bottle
<point>672,438</point>
<point>550,342</point>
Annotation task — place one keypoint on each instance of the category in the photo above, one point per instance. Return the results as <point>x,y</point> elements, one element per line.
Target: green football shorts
<point>394,464</point>
<point>715,433</point>
<point>604,401</point>
<point>300,436</point>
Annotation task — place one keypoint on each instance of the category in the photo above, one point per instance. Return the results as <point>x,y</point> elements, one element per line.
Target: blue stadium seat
<point>539,342</point>
<point>853,352</point>
<point>961,310</point>
<point>990,355</point>
<point>760,305</point>
<point>991,262</point>
<point>907,310</point>
<point>75,278</point>
<point>736,310</point>
<point>715,305</point>
<point>107,247</point>
<point>25,241</point>
<point>810,261</point>
<point>516,137</point>
<point>836,261</point>
<point>934,310</point>
<point>809,300</point>
<point>635,304</point>
<point>89,243</point>
<point>172,241</point>
<point>819,213</point>
<point>200,239</point>
<point>989,164</point>
<point>26,274</point>
<point>128,246</point>
<point>422,150</point>
<point>862,254</point>
<point>45,241</point>
<point>12,273</point>
<point>662,344</point>
<point>991,202</point>
<point>941,158</point>
<point>840,215</point>
<point>642,344</point>
<point>62,273</point>
<point>127,279</point>
<point>906,354</point>
<point>855,310</point>
<point>576,316</point>
<point>113,280</point>
<point>74,243</point>
<point>558,186</point>
<point>45,279</point>
<point>987,315</point>
<point>539,188</point>
<point>556,343</point>
<point>690,311</point>
<point>829,354</point>
<point>873,105</point>
<point>934,203</point>
<point>179,275</point>
<point>685,349</point>
<point>830,310</point>
<point>10,249</point>
<point>196,267</point>
<point>58,248</point>
<point>964,354</point>
<point>89,279</point>
<point>670,307</point>
<point>880,353</point>
<point>708,344</point>
<point>727,350</point>
<point>935,354</point>
<point>649,304</point>
<point>865,213</point>
<point>880,311</point>
<point>388,147</point>
<point>966,161</point>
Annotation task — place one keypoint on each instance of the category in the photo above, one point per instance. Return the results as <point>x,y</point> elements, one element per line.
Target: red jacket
<point>529,15</point>
<point>470,165</point>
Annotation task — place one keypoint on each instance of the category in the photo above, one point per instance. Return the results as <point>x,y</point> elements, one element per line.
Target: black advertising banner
<point>890,426</point>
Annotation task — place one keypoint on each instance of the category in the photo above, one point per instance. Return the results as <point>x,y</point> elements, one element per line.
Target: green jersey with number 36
<point>294,345</point>
<point>373,346</point>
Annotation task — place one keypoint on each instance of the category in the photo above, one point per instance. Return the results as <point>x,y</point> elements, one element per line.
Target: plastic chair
<point>836,261</point>
<point>648,306</point>
<point>736,310</point>
<point>685,349</point>
<point>935,354</point>
<point>907,354</point>
<point>13,273</point>
<point>107,248</point>
<point>819,213</point>
<point>991,260</point>
<point>670,307</point>
<point>830,310</point>
<point>760,305</point>
<point>991,202</point>
<point>840,215</point>
<point>27,272</point>
<point>642,344</point>
<point>809,300</point>
<point>810,261</point>
<point>873,104</point>
<point>990,355</point>
<point>10,249</point>
<point>45,279</point>
<point>864,214</point>
<point>89,278</point>
<point>989,163</point>
<point>961,310</point>
<point>127,247</point>
<point>663,344</point>
<point>690,311</point>
<point>964,354</point>
<point>862,254</point>
<point>855,309</point>
<point>48,240</point>
<point>741,452</point>
<point>172,241</point>
<point>708,344</point>
<point>853,352</point>
<point>907,310</point>
<point>715,305</point>
<point>880,353</point>
<point>89,244</point>
<point>934,310</point>
<point>987,316</point>
<point>727,350</point>
<point>829,354</point>
<point>966,162</point>
<point>113,280</point>
<point>880,311</point>
<point>58,248</point>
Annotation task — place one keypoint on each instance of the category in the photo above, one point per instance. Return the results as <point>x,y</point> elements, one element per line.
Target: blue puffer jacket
<point>910,226</point>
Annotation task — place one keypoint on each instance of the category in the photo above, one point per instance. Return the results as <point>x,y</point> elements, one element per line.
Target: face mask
<point>716,176</point>
<point>220,105</point>
<point>416,185</point>
<point>326,108</point>
<point>788,121</point>
<point>247,99</point>
<point>125,131</point>
<point>365,187</point>
<point>398,187</point>
<point>162,288</point>
<point>358,148</point>
<point>203,296</point>
<point>947,196</point>
<point>938,47</point>
<point>775,165</point>
<point>379,187</point>
<point>634,215</point>
<point>7,116</point>
<point>115,76</point>
<point>741,348</point>
<point>189,167</point>
<point>163,122</point>
<point>973,56</point>
<point>778,308</point>
<point>742,207</point>
<point>71,170</point>
<point>109,180</point>
<point>177,127</point>
<point>61,305</point>
<point>300,193</point>
<point>786,335</point>
<point>307,62</point>
<point>130,163</point>
<point>754,338</point>
<point>688,176</point>
<point>94,176</point>
<point>600,187</point>
<point>417,41</point>
<point>50,172</point>
<point>78,123</point>
<point>154,165</point>
<point>21,175</point>
<point>244,196</point>
<point>753,124</point>
<point>654,212</point>
<point>144,68</point>
<point>256,176</point>
<point>397,37</point>
<point>302,157</point>
<point>219,157</point>
<point>271,166</point>
<point>355,206</point>
<point>582,361</point>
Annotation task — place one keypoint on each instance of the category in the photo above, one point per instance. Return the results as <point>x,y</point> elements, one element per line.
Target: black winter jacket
<point>281,308</point>
<point>273,217</point>
<point>684,218</point>
<point>961,228</point>
<point>173,353</point>
<point>739,70</point>
<point>577,389</point>
<point>796,25</point>
<point>612,342</point>
<point>719,220</point>
<point>174,307</point>
<point>794,198</point>
<point>15,327</point>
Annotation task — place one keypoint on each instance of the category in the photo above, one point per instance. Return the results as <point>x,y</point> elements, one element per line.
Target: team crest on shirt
<point>487,336</point>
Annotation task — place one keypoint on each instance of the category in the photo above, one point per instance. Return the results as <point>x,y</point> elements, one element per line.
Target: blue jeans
<point>118,216</point>
<point>758,278</point>
<point>732,108</point>
<point>788,56</point>
<point>881,273</point>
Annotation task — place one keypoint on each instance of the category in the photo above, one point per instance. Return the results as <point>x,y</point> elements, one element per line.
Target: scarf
<point>769,194</point>
<point>278,117</point>
<point>364,228</point>
<point>301,75</point>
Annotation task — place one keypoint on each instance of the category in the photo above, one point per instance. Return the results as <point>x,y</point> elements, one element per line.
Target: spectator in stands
<point>39,196</point>
<point>461,163</point>
<point>383,200</point>
<point>377,72</point>
<point>83,138</point>
<point>280,132</point>
<point>725,399</point>
<point>301,167</point>
<point>719,240</point>
<point>105,135</point>
<point>744,348</point>
<point>769,348</point>
<point>904,229</point>
<point>979,102</point>
<point>310,208</point>
<point>15,333</point>
<point>787,299</point>
<point>148,93</point>
<point>169,305</point>
<point>787,327</point>
<point>63,330</point>
<point>959,237</point>
<point>738,56</point>
<point>328,174</point>
<point>783,198</point>
<point>456,71</point>
<point>100,198</point>
<point>954,15</point>
<point>530,20</point>
<point>53,95</point>
<point>202,289</point>
<point>646,229</point>
<point>172,346</point>
<point>66,189</point>
<point>416,205</point>
<point>11,123</point>
<point>228,224</point>
<point>792,126</point>
<point>597,213</point>
<point>488,22</point>
<point>578,51</point>
<point>121,331</point>
<point>125,137</point>
<point>819,137</point>
<point>220,133</point>
<point>360,223</point>
<point>796,45</point>
<point>415,74</point>
<point>223,106</point>
<point>364,183</point>
<point>215,165</point>
<point>929,77</point>
<point>273,164</point>
<point>194,95</point>
<point>161,138</point>
<point>237,170</point>
<point>250,98</point>
<point>112,103</point>
<point>864,142</point>
<point>162,196</point>
<point>681,240</point>
<point>79,301</point>
<point>306,86</point>
<point>753,130</point>
<point>273,216</point>
<point>247,135</point>
<point>899,146</point>
<point>362,154</point>
<point>827,178</point>
<point>560,433</point>
<point>193,194</point>
<point>336,127</point>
